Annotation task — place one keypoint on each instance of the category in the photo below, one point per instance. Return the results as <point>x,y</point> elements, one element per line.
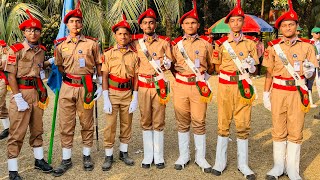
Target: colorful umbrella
<point>251,24</point>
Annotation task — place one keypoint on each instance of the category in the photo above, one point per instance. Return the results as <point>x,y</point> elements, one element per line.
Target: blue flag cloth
<point>55,77</point>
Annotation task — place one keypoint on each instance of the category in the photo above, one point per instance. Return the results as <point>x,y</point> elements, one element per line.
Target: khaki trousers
<point>120,101</point>
<point>152,112</point>
<point>287,116</point>
<point>19,122</point>
<point>188,108</point>
<point>229,106</point>
<point>71,103</point>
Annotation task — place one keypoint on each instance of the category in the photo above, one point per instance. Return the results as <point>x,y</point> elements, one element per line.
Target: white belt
<point>149,79</point>
<point>235,78</point>
<point>186,79</point>
<point>289,82</point>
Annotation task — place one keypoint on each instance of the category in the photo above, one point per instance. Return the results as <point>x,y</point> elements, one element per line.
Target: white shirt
<point>317,44</point>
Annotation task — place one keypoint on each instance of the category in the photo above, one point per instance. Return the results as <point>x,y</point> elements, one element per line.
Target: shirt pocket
<point>87,56</point>
<point>24,66</point>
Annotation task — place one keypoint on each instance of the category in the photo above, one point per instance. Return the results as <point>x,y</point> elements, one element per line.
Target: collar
<point>30,46</point>
<point>80,37</point>
<point>122,49</point>
<point>189,37</point>
<point>291,41</point>
<point>150,39</point>
<point>236,37</point>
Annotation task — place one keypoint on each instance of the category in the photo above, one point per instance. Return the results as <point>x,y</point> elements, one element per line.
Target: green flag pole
<point>54,117</point>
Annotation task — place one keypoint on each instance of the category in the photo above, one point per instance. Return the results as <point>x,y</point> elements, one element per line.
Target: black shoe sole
<point>180,167</point>
<point>131,164</point>
<point>215,172</point>
<point>49,171</point>
<point>106,169</point>
<point>60,174</point>
<point>160,166</point>
<point>146,166</point>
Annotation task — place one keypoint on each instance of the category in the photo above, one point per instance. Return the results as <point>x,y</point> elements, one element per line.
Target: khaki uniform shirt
<point>157,48</point>
<point>2,63</point>
<point>28,62</point>
<point>243,49</point>
<point>296,53</point>
<point>196,48</point>
<point>78,58</point>
<point>122,63</point>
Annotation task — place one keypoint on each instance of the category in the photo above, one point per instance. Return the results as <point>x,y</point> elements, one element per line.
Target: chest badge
<point>80,51</point>
<point>241,53</point>
<point>294,55</point>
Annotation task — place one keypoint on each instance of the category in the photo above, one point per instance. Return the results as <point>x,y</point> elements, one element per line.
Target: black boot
<point>62,168</point>
<point>126,159</point>
<point>107,163</point>
<point>4,134</point>
<point>160,165</point>
<point>42,165</point>
<point>14,175</point>
<point>216,172</point>
<point>87,163</point>
<point>180,166</point>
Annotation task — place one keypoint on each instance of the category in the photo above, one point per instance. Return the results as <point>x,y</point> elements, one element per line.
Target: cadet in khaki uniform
<point>3,92</point>
<point>152,88</point>
<point>235,91</point>
<point>76,56</point>
<point>289,96</point>
<point>120,68</point>
<point>189,88</point>
<point>29,96</point>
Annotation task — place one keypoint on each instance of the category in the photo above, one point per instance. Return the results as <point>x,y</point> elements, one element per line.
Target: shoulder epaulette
<point>206,38</point>
<point>221,40</point>
<point>274,42</point>
<point>251,38</point>
<point>43,47</point>
<point>175,41</point>
<point>307,40</point>
<point>92,38</point>
<point>107,49</point>
<point>17,47</point>
<point>136,36</point>
<point>165,38</point>
<point>58,41</point>
<point>3,43</point>
<point>132,47</point>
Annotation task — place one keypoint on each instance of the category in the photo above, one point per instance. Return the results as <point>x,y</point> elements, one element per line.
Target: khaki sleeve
<point>12,62</point>
<point>58,56</point>
<point>209,54</point>
<point>254,52</point>
<point>311,55</point>
<point>105,65</point>
<point>217,55</point>
<point>96,53</point>
<point>167,50</point>
<point>268,57</point>
<point>174,53</point>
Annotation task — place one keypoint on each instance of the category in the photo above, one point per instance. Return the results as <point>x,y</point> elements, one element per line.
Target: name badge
<point>296,66</point>
<point>197,63</point>
<point>82,62</point>
<point>42,74</point>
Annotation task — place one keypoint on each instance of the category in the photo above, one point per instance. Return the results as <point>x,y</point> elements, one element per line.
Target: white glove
<point>51,60</point>
<point>308,69</point>
<point>248,63</point>
<point>21,103</point>
<point>166,63</point>
<point>266,100</point>
<point>107,106</point>
<point>99,89</point>
<point>134,102</point>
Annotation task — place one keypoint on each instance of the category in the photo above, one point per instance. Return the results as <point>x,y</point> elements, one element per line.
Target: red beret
<point>123,24</point>
<point>30,23</point>
<point>290,15</point>
<point>191,14</point>
<point>148,13</point>
<point>74,13</point>
<point>237,11</point>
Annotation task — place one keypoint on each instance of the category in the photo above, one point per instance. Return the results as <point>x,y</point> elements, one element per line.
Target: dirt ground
<point>260,148</point>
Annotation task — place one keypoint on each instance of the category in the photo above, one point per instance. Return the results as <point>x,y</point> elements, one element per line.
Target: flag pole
<point>54,117</point>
